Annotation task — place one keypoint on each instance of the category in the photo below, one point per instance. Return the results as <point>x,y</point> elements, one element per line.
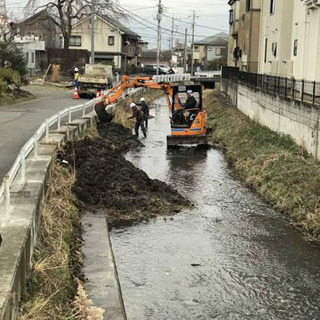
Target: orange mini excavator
<point>188,127</point>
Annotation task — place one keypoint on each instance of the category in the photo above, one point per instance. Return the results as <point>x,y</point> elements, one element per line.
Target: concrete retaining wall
<point>20,232</point>
<point>298,119</point>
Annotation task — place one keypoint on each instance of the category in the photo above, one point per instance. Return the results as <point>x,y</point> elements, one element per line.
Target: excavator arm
<point>138,82</point>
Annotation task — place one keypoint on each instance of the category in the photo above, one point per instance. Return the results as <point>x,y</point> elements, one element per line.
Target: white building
<point>305,44</point>
<point>290,39</point>
<point>275,56</point>
<point>34,50</point>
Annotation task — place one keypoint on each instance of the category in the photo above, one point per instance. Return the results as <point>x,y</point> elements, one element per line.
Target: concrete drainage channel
<point>21,201</point>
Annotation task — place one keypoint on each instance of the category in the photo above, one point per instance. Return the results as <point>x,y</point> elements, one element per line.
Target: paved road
<point>19,122</point>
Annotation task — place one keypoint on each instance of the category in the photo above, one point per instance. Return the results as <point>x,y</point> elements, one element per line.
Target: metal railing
<point>299,90</point>
<point>172,77</point>
<point>32,146</point>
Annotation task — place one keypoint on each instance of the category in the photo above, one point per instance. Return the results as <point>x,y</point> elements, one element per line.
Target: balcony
<point>311,3</point>
<point>130,51</point>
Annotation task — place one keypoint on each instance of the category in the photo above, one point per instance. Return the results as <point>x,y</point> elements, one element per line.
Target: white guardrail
<point>32,146</point>
<point>172,77</point>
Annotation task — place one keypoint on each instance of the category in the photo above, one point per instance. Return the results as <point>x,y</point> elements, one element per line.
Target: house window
<point>27,57</point>
<point>272,6</point>
<point>295,47</point>
<point>218,51</point>
<point>75,41</point>
<point>230,16</point>
<point>248,5</point>
<point>111,40</point>
<point>265,50</point>
<point>274,48</point>
<point>32,57</point>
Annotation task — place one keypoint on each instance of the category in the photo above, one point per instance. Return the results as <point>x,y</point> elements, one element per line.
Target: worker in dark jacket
<point>138,114</point>
<point>145,110</point>
<point>191,102</point>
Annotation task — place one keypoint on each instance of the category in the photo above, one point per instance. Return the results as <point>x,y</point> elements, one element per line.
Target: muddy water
<point>232,257</point>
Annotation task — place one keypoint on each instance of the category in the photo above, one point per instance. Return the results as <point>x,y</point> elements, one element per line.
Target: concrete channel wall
<point>20,231</point>
<point>298,119</point>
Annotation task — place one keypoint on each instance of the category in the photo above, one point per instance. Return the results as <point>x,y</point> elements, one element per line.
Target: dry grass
<point>83,306</point>
<point>51,286</point>
<point>271,163</point>
<point>57,261</point>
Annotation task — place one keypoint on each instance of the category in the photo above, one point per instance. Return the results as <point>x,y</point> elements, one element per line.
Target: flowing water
<point>231,257</point>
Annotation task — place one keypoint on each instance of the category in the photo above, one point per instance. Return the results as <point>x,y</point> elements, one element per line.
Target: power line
<point>198,25</point>
<point>166,29</point>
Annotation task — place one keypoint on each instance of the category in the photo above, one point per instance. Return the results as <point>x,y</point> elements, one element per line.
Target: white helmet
<point>76,69</point>
<point>132,105</point>
<point>142,99</point>
<point>190,91</point>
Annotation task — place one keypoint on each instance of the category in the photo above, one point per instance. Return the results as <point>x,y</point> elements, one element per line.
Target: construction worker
<point>76,77</point>
<point>138,114</point>
<point>191,102</point>
<point>145,110</point>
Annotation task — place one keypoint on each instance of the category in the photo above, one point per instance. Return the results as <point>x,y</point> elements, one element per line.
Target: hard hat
<point>190,91</point>
<point>142,99</point>
<point>76,69</point>
<point>132,105</point>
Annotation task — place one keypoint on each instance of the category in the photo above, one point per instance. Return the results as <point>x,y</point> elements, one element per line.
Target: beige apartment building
<point>305,42</point>
<point>276,37</point>
<point>290,39</point>
<point>244,35</point>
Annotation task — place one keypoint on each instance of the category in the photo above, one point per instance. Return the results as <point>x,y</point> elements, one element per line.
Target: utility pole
<point>185,51</point>
<point>160,10</point>
<point>92,31</point>
<point>172,30</point>
<point>192,42</point>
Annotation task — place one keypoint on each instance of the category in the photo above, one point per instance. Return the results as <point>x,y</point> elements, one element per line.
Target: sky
<point>211,18</point>
<point>209,13</point>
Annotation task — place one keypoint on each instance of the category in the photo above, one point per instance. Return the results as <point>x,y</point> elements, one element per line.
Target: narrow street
<point>231,257</point>
<point>19,122</point>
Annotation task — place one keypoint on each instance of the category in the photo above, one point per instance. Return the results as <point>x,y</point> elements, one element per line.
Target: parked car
<point>152,69</point>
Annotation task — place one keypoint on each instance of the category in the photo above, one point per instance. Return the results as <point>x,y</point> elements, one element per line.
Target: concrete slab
<point>92,117</point>
<point>103,286</point>
<point>82,124</point>
<point>70,131</point>
<point>55,139</point>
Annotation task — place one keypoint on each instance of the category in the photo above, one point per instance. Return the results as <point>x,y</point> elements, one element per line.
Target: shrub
<point>9,77</point>
<point>12,57</point>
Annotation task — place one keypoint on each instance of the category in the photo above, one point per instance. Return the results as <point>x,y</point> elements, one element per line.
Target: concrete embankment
<point>269,162</point>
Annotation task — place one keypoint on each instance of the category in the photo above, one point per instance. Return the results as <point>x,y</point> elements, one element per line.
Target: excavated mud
<point>107,181</point>
<point>118,135</point>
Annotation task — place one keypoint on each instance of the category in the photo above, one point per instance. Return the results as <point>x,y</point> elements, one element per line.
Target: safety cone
<point>75,94</point>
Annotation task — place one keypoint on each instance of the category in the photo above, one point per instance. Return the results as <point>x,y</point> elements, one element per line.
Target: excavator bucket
<point>179,141</point>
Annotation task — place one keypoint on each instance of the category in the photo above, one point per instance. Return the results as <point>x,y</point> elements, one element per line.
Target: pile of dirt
<point>119,136</point>
<point>106,181</point>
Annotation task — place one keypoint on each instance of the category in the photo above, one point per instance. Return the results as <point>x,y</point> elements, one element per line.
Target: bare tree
<point>64,13</point>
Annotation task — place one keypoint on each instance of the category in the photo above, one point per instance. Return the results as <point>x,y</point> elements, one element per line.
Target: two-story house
<point>244,34</point>
<point>305,40</point>
<point>276,37</point>
<point>114,43</point>
<point>34,36</point>
<point>210,48</point>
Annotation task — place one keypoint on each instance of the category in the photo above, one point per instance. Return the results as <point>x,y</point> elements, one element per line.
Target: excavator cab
<point>188,124</point>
